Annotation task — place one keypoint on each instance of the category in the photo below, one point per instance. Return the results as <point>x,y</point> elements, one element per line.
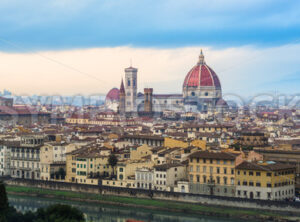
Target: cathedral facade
<point>201,92</point>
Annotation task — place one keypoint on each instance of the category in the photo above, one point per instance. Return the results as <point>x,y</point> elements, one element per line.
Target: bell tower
<point>130,89</point>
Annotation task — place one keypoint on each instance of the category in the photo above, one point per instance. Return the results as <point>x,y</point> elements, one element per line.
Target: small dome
<point>113,95</point>
<point>221,102</point>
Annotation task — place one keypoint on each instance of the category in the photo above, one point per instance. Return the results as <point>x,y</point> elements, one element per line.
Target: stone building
<point>167,175</point>
<point>265,181</point>
<point>212,173</point>
<point>144,178</point>
<point>25,157</point>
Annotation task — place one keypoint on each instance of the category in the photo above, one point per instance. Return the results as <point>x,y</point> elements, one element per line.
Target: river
<point>109,213</point>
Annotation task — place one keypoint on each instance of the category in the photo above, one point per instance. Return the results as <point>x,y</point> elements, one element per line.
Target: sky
<point>68,47</point>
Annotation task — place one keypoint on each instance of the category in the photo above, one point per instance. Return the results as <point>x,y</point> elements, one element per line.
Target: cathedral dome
<point>201,75</point>
<point>113,95</point>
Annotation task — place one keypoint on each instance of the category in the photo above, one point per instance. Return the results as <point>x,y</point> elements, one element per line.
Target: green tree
<point>112,161</point>
<point>3,198</point>
<point>53,213</point>
<point>59,213</point>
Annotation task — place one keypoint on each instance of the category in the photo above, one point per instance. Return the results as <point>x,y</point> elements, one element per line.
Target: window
<point>232,181</point>
<point>225,170</point>
<point>251,183</point>
<point>258,184</point>
<point>239,193</point>
<point>192,93</point>
<point>245,183</point>
<point>225,180</point>
<point>269,184</point>
<point>258,174</point>
<point>191,168</point>
<point>198,169</point>
<point>250,173</point>
<point>128,82</point>
<point>239,182</point>
<point>191,178</point>
<point>121,169</point>
<point>198,179</point>
<point>204,169</point>
<point>218,170</point>
<point>257,194</point>
<point>204,179</point>
<point>232,171</point>
<point>269,174</point>
<point>218,180</point>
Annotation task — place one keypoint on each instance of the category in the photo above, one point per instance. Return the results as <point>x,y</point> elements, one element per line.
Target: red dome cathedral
<point>201,86</point>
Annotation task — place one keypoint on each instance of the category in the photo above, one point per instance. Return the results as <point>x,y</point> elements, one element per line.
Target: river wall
<point>279,206</point>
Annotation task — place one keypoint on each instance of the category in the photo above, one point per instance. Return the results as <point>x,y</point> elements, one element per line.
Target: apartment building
<point>167,175</point>
<point>212,173</point>
<point>25,157</point>
<point>265,180</point>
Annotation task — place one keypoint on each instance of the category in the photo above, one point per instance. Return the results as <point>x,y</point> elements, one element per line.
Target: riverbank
<point>189,208</point>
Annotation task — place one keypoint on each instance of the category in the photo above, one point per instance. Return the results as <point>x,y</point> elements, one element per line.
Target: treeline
<point>53,213</point>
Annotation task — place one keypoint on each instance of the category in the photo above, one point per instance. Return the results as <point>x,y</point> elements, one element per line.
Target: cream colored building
<point>166,176</point>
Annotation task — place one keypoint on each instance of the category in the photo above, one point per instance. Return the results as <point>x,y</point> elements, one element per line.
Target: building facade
<point>265,181</point>
<point>25,157</point>
<point>212,173</point>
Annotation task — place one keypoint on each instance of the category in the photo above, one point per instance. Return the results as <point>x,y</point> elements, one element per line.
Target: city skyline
<point>82,48</point>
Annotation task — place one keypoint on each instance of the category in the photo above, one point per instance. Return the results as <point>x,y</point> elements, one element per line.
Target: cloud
<point>243,70</point>
<point>69,24</point>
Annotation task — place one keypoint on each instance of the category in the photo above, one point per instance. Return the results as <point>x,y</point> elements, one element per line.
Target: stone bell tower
<point>130,90</point>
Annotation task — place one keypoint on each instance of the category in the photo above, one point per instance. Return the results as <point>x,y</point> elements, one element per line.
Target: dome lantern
<point>201,58</point>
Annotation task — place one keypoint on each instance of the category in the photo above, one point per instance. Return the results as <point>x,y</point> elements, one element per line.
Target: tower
<point>130,89</point>
<point>122,99</point>
<point>148,92</point>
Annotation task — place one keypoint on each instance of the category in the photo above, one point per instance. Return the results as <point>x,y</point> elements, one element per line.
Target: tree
<point>112,161</point>
<point>54,213</point>
<point>3,198</point>
<point>59,213</point>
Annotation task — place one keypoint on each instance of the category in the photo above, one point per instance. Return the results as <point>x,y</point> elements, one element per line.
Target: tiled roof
<point>264,166</point>
<point>214,155</point>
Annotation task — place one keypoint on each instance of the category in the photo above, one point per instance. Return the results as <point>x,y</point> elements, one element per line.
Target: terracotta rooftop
<point>214,155</point>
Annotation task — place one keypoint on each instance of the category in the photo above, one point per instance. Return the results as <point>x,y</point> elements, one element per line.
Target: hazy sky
<point>70,47</point>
